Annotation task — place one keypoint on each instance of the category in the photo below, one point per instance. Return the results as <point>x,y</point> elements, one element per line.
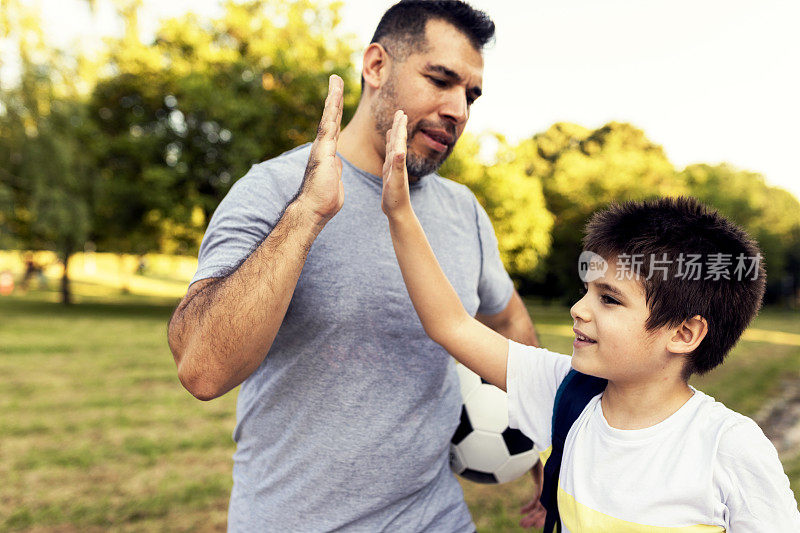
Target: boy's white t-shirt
<point>704,469</point>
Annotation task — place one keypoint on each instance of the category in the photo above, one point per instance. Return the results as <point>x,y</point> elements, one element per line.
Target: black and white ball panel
<point>484,449</point>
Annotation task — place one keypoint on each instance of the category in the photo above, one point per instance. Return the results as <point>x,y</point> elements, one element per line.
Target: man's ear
<point>688,335</point>
<point>377,64</point>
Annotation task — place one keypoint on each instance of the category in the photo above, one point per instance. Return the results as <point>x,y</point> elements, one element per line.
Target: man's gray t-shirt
<point>346,424</point>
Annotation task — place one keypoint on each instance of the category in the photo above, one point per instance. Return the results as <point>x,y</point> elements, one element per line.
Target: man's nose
<point>455,107</point>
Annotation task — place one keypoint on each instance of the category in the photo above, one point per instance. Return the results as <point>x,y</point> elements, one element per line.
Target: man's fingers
<point>330,122</point>
<point>534,513</point>
<point>528,507</point>
<point>335,99</point>
<point>340,103</point>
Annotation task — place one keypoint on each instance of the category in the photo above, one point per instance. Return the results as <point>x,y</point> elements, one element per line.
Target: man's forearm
<point>519,331</point>
<point>222,334</point>
<point>513,322</point>
<point>518,325</point>
<point>223,329</point>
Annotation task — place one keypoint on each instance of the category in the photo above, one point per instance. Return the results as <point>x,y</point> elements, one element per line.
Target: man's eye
<point>470,100</point>
<point>438,82</point>
<point>606,299</point>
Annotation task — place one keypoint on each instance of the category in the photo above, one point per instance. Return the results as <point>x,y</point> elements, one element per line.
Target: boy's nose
<point>580,311</point>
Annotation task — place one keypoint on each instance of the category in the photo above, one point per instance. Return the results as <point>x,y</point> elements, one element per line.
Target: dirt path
<point>780,419</point>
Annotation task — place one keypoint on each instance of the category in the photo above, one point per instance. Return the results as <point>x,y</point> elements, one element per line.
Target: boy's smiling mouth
<point>581,339</point>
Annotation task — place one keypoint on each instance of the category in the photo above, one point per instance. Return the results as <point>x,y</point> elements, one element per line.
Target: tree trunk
<point>66,293</point>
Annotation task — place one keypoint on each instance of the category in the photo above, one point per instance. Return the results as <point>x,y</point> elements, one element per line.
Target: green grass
<point>97,431</point>
<point>98,434</point>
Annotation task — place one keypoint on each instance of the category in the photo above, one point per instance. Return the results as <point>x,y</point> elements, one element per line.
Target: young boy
<point>649,453</point>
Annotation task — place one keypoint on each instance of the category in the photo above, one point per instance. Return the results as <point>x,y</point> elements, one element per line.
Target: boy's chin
<point>577,363</point>
<point>585,367</point>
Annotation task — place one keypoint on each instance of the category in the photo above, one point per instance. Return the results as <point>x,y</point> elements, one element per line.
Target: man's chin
<point>419,166</point>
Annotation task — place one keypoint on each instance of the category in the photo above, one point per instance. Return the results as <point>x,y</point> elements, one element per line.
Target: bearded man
<point>346,407</point>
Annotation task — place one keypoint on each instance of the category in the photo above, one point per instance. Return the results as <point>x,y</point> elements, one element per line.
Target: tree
<point>141,161</point>
<point>182,118</point>
<point>513,199</point>
<point>771,215</point>
<point>47,174</point>
<point>582,171</point>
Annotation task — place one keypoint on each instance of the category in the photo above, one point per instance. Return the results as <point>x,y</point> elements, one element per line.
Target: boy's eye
<point>606,299</point>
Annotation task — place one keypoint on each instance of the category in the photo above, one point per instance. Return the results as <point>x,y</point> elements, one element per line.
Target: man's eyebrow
<point>452,75</point>
<point>610,288</point>
<point>444,71</point>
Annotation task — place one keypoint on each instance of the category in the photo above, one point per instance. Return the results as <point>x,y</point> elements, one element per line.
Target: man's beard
<point>384,108</point>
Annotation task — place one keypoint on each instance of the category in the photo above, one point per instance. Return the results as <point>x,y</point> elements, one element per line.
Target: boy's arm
<point>443,316</point>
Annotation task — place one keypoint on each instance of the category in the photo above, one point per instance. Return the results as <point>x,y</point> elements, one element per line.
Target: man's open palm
<point>322,188</point>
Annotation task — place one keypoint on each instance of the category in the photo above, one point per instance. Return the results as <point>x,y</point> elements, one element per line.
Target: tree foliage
<point>771,215</point>
<point>513,199</point>
<point>581,171</point>
<point>134,149</point>
<point>185,116</point>
<point>138,161</point>
<point>47,174</point>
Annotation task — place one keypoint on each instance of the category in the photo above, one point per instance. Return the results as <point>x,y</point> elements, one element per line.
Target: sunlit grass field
<point>96,432</point>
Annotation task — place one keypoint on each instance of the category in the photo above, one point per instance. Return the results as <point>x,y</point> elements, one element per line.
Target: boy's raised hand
<point>322,189</point>
<point>396,198</point>
<point>440,310</point>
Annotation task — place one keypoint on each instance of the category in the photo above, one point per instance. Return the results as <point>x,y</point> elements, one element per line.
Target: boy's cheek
<point>586,364</point>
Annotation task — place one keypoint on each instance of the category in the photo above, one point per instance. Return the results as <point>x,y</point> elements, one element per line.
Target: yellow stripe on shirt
<point>544,455</point>
<point>579,518</point>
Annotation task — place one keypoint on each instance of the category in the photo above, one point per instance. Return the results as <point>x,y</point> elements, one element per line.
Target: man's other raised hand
<point>322,191</point>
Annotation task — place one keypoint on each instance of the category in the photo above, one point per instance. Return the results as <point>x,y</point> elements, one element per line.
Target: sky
<point>709,80</point>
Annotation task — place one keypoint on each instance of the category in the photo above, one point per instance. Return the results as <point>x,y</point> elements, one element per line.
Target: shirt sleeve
<point>533,376</point>
<point>495,286</point>
<point>242,220</point>
<point>755,489</point>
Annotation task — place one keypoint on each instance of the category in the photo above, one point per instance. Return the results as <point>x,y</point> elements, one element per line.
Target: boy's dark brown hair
<point>667,235</point>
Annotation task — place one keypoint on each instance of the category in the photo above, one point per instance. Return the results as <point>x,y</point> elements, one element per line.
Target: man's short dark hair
<point>667,233</point>
<point>402,27</point>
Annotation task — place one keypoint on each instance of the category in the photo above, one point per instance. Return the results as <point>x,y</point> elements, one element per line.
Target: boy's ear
<point>688,335</point>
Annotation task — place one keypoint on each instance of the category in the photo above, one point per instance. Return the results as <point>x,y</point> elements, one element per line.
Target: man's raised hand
<point>322,190</point>
<point>395,198</point>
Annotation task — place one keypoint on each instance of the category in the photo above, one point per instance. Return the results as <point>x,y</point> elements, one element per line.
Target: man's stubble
<point>383,109</point>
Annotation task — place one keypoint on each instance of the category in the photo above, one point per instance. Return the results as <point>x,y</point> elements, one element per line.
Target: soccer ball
<point>483,448</point>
